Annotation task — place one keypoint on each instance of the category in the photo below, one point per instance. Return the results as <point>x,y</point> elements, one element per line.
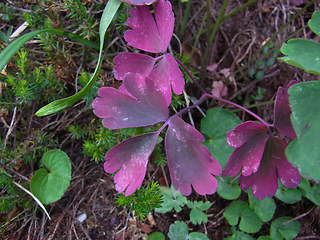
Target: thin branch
<point>298,217</point>
<point>14,172</point>
<point>11,127</point>
<point>34,197</point>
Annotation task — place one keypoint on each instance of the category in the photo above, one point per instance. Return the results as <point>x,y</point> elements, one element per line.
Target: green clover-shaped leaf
<point>215,126</point>
<point>314,23</point>
<point>238,235</point>
<point>197,215</point>
<point>249,221</point>
<point>303,152</point>
<point>263,208</point>
<point>288,195</point>
<point>228,189</point>
<point>179,231</point>
<point>50,186</point>
<point>279,230</point>
<point>302,53</point>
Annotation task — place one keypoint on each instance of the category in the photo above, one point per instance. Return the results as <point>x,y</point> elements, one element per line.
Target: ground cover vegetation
<point>209,119</point>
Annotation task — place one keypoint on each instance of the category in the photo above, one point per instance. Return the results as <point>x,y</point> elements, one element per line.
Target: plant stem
<point>199,33</point>
<point>197,103</point>
<point>213,34</point>
<point>238,10</point>
<point>241,107</point>
<point>185,18</point>
<point>225,17</point>
<point>206,95</point>
<point>256,105</point>
<point>190,75</point>
<point>14,172</point>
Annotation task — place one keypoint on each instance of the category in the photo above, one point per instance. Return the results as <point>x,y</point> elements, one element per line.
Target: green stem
<point>225,17</point>
<point>185,18</point>
<point>213,34</point>
<point>256,105</point>
<point>238,10</point>
<point>198,35</point>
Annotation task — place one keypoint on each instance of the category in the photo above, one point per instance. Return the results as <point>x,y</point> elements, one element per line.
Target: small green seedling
<point>172,199</point>
<point>197,216</point>
<point>50,186</point>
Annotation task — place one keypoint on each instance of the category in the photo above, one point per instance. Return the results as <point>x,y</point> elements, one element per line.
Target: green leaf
<point>264,238</point>
<point>239,236</point>
<point>4,37</point>
<point>264,208</point>
<point>50,186</point>
<point>107,16</point>
<point>227,190</point>
<point>288,195</point>
<point>197,236</point>
<point>197,215</point>
<point>172,199</point>
<point>249,221</point>
<point>215,126</point>
<point>303,152</point>
<point>156,236</point>
<point>13,47</point>
<point>278,230</point>
<point>314,23</point>
<point>304,186</point>
<point>314,194</point>
<point>178,231</point>
<point>303,54</point>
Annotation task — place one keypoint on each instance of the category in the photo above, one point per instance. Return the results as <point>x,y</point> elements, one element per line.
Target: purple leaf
<point>190,162</point>
<point>165,74</point>
<point>120,110</point>
<point>131,156</point>
<point>289,176</point>
<point>249,138</point>
<point>264,182</point>
<point>134,63</point>
<point>147,34</point>
<point>139,2</point>
<point>282,112</point>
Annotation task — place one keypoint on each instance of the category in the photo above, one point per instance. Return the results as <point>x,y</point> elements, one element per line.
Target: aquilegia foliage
<point>139,2</point>
<point>260,156</point>
<point>143,100</point>
<point>151,35</point>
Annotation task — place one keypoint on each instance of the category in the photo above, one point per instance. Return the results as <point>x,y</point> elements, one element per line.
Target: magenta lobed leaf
<point>131,156</point>
<point>149,34</point>
<point>249,138</point>
<point>190,162</point>
<point>139,2</point>
<point>273,163</point>
<point>282,112</point>
<point>164,74</point>
<point>134,63</point>
<point>144,106</point>
<point>261,155</point>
